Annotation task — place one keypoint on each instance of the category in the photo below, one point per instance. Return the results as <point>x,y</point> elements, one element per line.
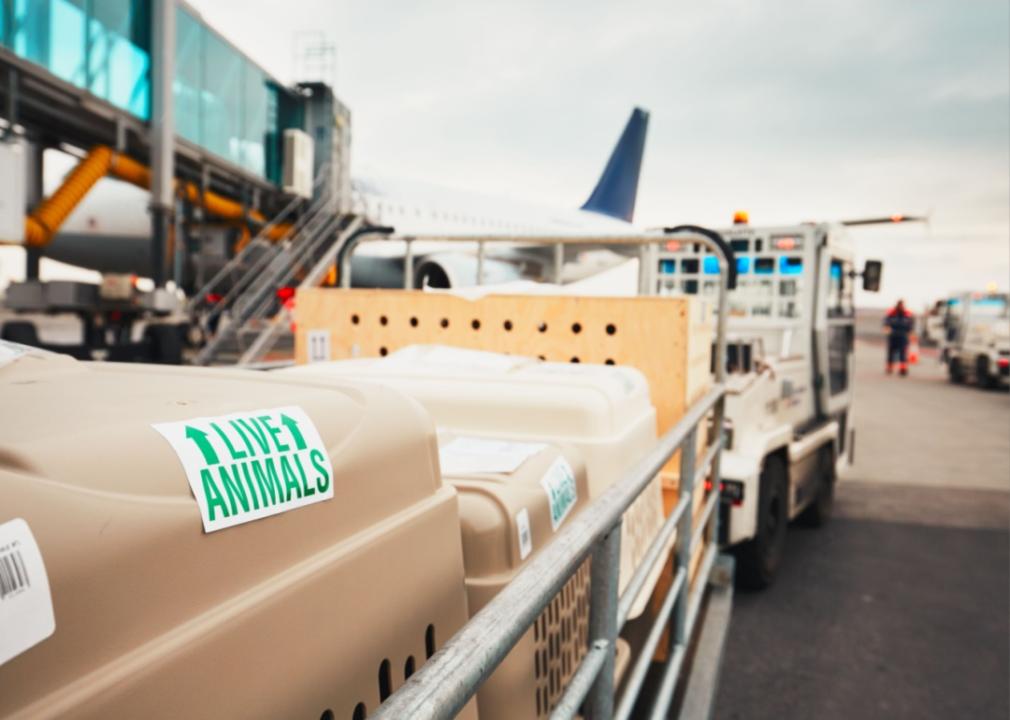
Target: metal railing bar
<point>637,676</point>
<point>604,572</point>
<point>581,682</point>
<point>637,582</point>
<point>706,461</point>
<point>700,582</point>
<point>443,685</point>
<point>706,515</point>
<point>664,696</point>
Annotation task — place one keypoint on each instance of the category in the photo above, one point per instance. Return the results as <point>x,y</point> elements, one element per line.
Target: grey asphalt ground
<point>899,607</point>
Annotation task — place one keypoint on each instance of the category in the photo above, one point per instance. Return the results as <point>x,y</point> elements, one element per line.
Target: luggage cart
<point>698,611</point>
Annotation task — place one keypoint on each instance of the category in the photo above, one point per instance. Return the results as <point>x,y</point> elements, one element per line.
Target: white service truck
<point>976,340</point>
<point>790,427</point>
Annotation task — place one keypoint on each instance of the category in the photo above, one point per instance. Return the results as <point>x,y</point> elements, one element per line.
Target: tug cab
<point>790,336</point>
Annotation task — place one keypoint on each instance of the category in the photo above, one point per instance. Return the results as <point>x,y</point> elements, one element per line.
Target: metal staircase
<point>247,318</point>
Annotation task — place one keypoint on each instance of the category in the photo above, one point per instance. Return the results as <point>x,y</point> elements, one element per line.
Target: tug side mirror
<point>871,275</point>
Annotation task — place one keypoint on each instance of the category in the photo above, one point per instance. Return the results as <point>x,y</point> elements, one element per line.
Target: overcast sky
<point>791,110</point>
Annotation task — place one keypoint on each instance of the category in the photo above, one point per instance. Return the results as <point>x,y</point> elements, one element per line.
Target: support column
<point>34,194</point>
<point>162,134</point>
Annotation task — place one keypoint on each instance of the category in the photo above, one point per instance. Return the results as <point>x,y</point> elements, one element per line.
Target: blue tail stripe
<point>617,188</point>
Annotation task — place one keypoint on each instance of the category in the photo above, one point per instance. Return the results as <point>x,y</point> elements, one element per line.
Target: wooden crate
<point>667,339</point>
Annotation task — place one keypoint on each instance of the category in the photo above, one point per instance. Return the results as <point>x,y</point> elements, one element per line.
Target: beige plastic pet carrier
<point>320,609</point>
<point>604,412</point>
<point>513,497</point>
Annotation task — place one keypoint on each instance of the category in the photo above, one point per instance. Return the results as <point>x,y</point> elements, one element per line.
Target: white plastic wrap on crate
<point>604,412</point>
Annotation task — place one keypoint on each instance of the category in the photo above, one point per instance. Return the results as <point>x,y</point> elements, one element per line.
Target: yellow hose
<point>41,225</point>
<point>45,220</point>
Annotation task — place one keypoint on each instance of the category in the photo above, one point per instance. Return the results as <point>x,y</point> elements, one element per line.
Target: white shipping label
<point>525,537</point>
<point>26,607</point>
<point>559,484</point>
<point>463,455</point>
<point>319,345</point>
<point>251,465</point>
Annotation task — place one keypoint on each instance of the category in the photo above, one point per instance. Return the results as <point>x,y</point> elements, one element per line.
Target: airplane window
<point>667,267</point>
<point>689,266</point>
<point>691,287</point>
<point>764,266</point>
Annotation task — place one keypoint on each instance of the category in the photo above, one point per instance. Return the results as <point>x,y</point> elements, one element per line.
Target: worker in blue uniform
<point>899,324</point>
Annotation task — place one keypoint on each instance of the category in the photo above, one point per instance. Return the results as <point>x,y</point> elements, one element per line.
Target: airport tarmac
<point>898,607</point>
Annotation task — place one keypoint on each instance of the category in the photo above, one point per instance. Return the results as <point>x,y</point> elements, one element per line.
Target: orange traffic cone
<point>913,350</point>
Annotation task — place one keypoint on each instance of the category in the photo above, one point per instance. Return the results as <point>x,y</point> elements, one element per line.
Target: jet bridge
<point>149,94</point>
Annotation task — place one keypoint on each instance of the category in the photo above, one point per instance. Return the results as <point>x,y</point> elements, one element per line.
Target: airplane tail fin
<point>615,192</point>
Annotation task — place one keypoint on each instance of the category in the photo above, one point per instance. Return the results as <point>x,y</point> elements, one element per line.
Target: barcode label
<point>26,607</point>
<point>13,575</point>
<point>525,538</point>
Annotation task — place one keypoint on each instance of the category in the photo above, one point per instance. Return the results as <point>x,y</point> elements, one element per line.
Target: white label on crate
<point>463,455</point>
<point>319,345</point>
<point>559,484</point>
<point>26,607</point>
<point>525,537</point>
<point>250,465</point>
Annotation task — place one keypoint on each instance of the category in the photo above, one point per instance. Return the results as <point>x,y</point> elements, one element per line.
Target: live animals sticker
<point>250,465</point>
<point>559,484</point>
<point>26,606</point>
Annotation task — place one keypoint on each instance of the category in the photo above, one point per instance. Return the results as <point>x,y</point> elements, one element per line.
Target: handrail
<point>443,685</point>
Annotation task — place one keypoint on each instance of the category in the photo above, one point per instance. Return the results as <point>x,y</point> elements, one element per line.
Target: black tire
<point>22,332</point>
<point>955,371</point>
<point>758,559</point>
<point>164,343</point>
<point>819,511</point>
<point>983,377</point>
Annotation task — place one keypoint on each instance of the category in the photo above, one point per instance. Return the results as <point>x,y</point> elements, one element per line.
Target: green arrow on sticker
<point>296,434</point>
<point>200,438</point>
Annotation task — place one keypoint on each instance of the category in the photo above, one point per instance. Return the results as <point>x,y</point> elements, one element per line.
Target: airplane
<point>107,233</point>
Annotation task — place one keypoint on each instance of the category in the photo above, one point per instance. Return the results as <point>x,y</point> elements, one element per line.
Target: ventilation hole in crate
<point>444,322</point>
<point>413,322</point>
<point>542,357</point>
<point>408,667</point>
<point>383,351</point>
<point>542,327</point>
<point>360,711</point>
<point>355,319</point>
<point>383,320</point>
<point>576,328</point>
<point>575,359</point>
<point>429,641</point>
<point>507,325</point>
<point>611,329</point>
<point>475,324</point>
<point>327,715</point>
<point>609,361</point>
<point>385,681</point>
